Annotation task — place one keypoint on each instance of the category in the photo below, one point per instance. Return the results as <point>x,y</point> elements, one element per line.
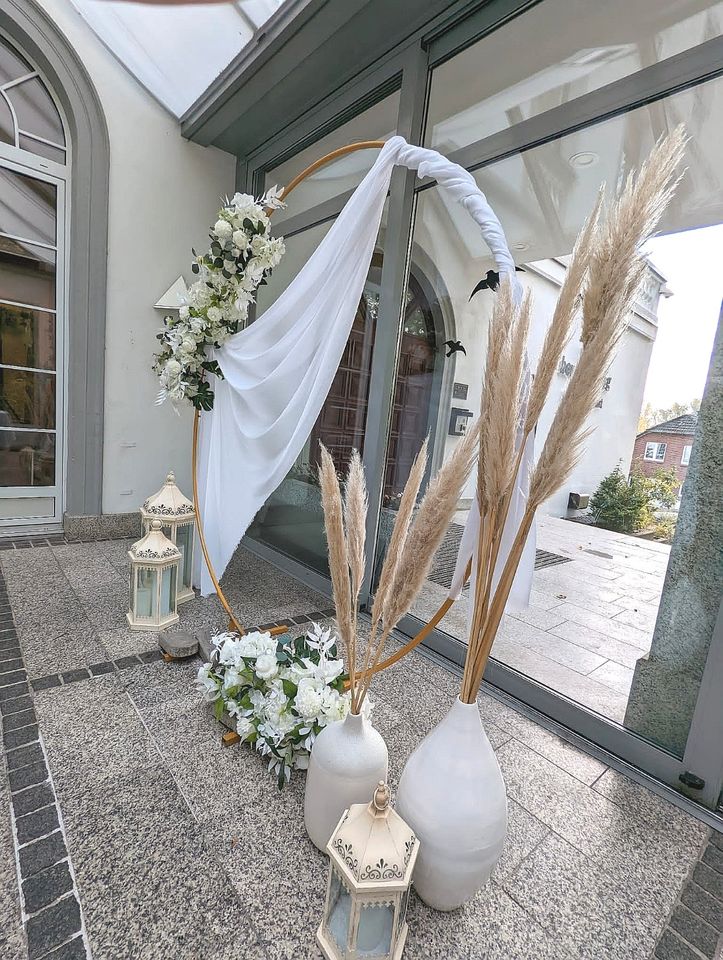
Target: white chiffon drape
<point>278,371</point>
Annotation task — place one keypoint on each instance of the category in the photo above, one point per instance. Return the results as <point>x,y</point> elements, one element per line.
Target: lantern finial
<point>171,477</point>
<point>380,800</point>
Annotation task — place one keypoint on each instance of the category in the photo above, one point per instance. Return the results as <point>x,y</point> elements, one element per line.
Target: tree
<point>628,505</point>
<point>650,415</point>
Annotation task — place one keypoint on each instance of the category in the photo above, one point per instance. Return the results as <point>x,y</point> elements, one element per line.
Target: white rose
<point>222,229</point>
<point>266,666</point>
<point>214,314</point>
<point>240,240</point>
<point>206,684</point>
<point>242,200</point>
<point>173,368</point>
<point>231,678</point>
<point>188,344</point>
<point>258,245</point>
<point>244,727</point>
<point>308,699</point>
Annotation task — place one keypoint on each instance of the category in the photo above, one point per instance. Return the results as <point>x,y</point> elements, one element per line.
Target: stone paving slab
<point>180,848</point>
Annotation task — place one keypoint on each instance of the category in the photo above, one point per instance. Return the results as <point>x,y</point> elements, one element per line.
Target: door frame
<point>49,172</point>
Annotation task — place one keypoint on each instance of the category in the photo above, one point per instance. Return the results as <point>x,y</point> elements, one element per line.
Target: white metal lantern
<point>372,853</point>
<point>178,516</point>
<point>153,581</point>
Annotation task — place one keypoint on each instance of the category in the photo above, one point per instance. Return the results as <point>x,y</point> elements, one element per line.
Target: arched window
<point>29,118</point>
<point>32,295</point>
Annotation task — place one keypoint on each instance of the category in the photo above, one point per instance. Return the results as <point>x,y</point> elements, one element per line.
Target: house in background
<point>665,446</point>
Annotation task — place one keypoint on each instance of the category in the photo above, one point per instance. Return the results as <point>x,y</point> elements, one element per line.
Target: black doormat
<point>446,557</point>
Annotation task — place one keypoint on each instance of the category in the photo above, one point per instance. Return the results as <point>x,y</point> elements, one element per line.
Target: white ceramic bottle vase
<point>453,796</point>
<point>347,761</point>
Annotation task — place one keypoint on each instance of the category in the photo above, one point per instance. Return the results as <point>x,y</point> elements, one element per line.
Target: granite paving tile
<point>45,887</point>
<point>607,647</point>
<point>108,609</point>
<point>92,731</point>
<point>123,641</point>
<point>491,927</point>
<point>76,647</point>
<point>12,939</point>
<point>615,676</point>
<point>524,833</point>
<point>52,926</point>
<point>572,898</point>
<point>563,754</point>
<point>173,897</point>
<point>653,861</point>
<point>695,931</point>
<point>651,810</point>
<point>612,628</point>
<point>42,854</point>
<point>700,902</point>
<point>710,880</point>
<point>672,947</point>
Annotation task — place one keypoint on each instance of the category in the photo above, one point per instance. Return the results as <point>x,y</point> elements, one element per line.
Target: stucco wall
<point>164,191</point>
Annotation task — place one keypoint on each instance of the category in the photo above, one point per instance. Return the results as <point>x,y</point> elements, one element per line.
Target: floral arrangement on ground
<point>241,257</point>
<point>279,691</point>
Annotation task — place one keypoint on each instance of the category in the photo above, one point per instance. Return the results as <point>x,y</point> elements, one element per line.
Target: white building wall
<point>164,193</point>
<point>448,248</point>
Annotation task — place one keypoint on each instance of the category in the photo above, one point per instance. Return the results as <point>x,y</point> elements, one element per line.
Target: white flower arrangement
<point>281,691</point>
<point>242,255</point>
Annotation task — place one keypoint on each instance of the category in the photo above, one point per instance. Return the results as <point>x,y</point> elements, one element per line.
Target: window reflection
<point>600,568</point>
<point>27,458</point>
<point>27,207</point>
<point>490,87</point>
<point>377,123</point>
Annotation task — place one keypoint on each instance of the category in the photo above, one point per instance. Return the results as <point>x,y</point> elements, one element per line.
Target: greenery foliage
<point>628,505</point>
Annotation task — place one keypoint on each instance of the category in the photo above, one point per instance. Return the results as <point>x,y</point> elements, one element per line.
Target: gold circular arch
<point>233,622</point>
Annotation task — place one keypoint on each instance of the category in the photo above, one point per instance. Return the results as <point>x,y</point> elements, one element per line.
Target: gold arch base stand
<point>234,624</point>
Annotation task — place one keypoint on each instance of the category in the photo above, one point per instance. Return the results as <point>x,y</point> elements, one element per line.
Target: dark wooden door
<point>342,421</point>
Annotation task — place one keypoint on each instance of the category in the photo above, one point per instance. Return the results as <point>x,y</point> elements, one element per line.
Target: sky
<point>692,263</point>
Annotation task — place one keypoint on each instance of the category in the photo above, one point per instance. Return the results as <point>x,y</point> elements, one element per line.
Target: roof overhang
<point>305,52</point>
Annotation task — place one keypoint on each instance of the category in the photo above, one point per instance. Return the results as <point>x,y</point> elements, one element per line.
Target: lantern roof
<point>373,846</point>
<point>169,503</point>
<point>155,546</point>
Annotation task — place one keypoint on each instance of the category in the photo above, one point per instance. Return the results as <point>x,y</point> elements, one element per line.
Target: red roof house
<point>665,446</point>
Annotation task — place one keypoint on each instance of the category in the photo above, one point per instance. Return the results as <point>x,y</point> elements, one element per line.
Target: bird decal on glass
<point>454,347</point>
<point>491,281</point>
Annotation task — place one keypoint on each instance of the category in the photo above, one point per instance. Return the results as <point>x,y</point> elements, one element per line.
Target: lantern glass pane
<point>168,591</point>
<point>146,592</point>
<point>339,911</point>
<point>184,541</point>
<point>374,933</point>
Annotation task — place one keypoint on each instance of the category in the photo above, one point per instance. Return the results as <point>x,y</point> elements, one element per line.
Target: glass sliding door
<point>291,522</point>
<point>622,610</point>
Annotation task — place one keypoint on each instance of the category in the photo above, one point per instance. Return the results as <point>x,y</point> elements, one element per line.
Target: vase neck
<point>354,722</point>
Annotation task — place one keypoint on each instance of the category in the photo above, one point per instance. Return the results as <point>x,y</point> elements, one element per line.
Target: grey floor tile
<point>490,927</point>
<point>92,731</point>
<point>564,755</point>
<point>142,905</point>
<point>12,940</point>
<point>572,898</point>
<point>524,833</point>
<point>606,647</point>
<point>78,647</point>
<point>615,676</point>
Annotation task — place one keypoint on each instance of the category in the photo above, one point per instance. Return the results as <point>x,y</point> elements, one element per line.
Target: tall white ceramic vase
<point>453,796</point>
<point>347,761</point>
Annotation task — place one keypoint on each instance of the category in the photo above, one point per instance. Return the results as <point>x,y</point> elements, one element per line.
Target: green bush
<point>628,505</point>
